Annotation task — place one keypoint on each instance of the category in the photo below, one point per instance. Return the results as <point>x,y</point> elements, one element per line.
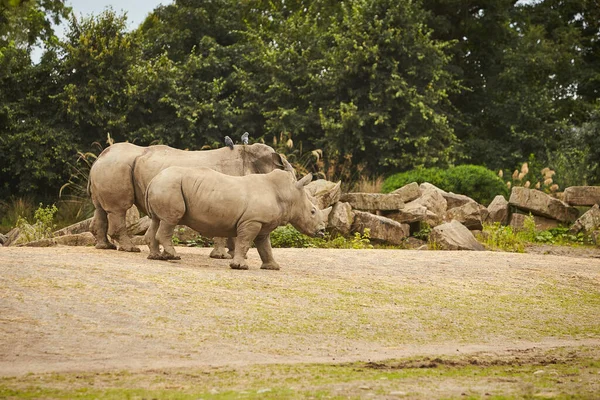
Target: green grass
<point>559,374</point>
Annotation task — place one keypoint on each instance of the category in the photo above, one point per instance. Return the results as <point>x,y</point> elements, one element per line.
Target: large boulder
<point>78,239</point>
<point>588,222</point>
<point>582,195</point>
<point>3,239</point>
<point>452,200</point>
<point>469,214</point>
<point>454,236</point>
<point>341,219</point>
<point>324,192</point>
<point>78,227</point>
<point>140,226</point>
<point>517,221</point>
<point>12,236</point>
<point>434,201</point>
<point>413,212</point>
<point>132,216</point>
<point>498,211</point>
<point>374,201</point>
<point>539,203</point>
<point>381,228</point>
<point>408,192</point>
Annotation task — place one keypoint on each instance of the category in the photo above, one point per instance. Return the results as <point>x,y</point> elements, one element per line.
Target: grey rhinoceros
<point>119,177</point>
<point>247,207</point>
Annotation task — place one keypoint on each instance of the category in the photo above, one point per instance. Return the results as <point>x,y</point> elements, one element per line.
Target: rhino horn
<point>304,181</point>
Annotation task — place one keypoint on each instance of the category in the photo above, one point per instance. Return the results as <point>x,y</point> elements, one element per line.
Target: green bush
<point>479,183</point>
<point>288,236</point>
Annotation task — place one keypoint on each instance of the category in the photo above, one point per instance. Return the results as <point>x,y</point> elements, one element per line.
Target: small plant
<point>498,237</point>
<point>288,236</point>
<point>42,227</point>
<point>423,233</point>
<point>363,241</point>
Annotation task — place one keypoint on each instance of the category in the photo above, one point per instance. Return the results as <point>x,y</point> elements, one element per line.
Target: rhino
<point>214,204</point>
<point>119,177</point>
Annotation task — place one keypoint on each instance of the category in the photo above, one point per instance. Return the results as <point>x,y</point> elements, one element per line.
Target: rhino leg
<point>99,229</point>
<point>151,241</point>
<point>263,245</point>
<point>164,234</point>
<point>219,250</point>
<point>246,233</point>
<point>117,230</point>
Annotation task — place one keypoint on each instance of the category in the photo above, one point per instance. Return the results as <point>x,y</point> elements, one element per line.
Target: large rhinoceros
<point>119,177</point>
<point>247,207</point>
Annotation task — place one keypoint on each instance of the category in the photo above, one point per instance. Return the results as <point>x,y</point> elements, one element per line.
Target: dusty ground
<point>77,309</point>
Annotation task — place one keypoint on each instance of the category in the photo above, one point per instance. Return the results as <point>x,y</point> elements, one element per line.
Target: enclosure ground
<point>341,323</point>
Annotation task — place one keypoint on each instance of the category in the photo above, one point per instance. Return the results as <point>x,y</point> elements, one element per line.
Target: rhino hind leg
<point>99,229</point>
<point>219,251</point>
<point>263,245</point>
<point>246,233</point>
<point>117,230</point>
<point>151,241</point>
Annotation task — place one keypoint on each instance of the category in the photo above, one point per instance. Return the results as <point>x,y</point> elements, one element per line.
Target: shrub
<point>288,236</point>
<point>479,183</point>
<point>43,226</point>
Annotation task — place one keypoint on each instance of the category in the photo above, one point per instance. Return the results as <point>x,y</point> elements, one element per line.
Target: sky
<point>137,10</point>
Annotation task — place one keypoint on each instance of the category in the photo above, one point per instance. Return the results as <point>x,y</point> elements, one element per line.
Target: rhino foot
<point>271,266</point>
<point>130,249</point>
<point>235,265</point>
<point>106,246</point>
<point>169,257</point>
<point>155,257</point>
<point>220,253</point>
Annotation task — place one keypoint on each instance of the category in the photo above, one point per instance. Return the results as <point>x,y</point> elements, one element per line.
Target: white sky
<point>137,10</point>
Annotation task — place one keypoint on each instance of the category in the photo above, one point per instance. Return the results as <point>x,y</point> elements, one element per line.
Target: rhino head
<point>259,158</point>
<point>307,218</point>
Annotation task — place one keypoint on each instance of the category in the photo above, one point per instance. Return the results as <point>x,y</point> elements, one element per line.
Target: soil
<point>66,309</point>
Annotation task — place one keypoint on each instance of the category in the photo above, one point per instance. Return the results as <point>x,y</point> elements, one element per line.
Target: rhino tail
<point>147,202</point>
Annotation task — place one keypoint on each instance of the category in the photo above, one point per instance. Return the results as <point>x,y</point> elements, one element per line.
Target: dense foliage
<point>478,182</point>
<point>384,86</point>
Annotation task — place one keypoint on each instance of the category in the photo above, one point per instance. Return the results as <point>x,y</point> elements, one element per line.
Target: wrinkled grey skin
<point>247,207</point>
<point>119,177</point>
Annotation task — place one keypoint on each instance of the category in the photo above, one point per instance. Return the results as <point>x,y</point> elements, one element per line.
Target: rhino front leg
<point>164,235</point>
<point>151,241</point>
<point>117,230</point>
<point>219,251</point>
<point>99,229</point>
<point>246,233</point>
<point>263,245</point>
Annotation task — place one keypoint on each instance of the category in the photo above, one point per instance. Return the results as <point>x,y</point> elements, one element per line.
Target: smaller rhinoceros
<point>214,204</point>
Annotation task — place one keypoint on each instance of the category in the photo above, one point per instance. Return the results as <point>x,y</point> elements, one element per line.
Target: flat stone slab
<point>454,236</point>
<point>517,221</point>
<point>374,201</point>
<point>381,228</point>
<point>582,195</point>
<point>468,214</point>
<point>539,203</point>
<point>78,239</point>
<point>78,227</point>
<point>588,222</point>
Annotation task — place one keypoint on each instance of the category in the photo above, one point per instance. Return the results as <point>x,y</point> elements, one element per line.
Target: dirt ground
<point>70,309</point>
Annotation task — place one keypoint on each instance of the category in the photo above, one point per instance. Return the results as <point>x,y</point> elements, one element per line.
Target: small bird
<point>229,142</point>
<point>245,138</point>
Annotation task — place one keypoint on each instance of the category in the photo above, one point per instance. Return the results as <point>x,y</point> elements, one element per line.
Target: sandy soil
<point>81,309</point>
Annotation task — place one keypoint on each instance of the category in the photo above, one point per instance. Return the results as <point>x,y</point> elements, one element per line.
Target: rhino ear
<point>278,160</point>
<point>326,213</point>
<point>304,181</point>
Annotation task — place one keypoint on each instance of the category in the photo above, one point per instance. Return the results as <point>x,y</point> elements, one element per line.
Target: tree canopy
<point>386,86</point>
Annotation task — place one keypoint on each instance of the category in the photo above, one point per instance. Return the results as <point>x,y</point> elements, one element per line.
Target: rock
<point>132,216</point>
<point>138,240</point>
<point>588,222</point>
<point>325,192</point>
<point>78,227</point>
<point>539,203</point>
<point>414,243</point>
<point>469,214</point>
<point>341,219</point>
<point>140,226</point>
<point>381,228</point>
<point>434,201</point>
<point>12,236</point>
<point>596,237</point>
<point>498,211</point>
<point>3,239</point>
<point>582,195</point>
<point>517,221</point>
<point>452,200</point>
<point>184,233</point>
<point>48,242</point>
<point>79,239</point>
<point>413,212</point>
<point>408,192</point>
<point>454,236</point>
<point>374,201</point>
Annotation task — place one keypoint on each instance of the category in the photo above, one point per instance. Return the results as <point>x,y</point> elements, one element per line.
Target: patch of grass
<point>288,236</point>
<point>559,373</point>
